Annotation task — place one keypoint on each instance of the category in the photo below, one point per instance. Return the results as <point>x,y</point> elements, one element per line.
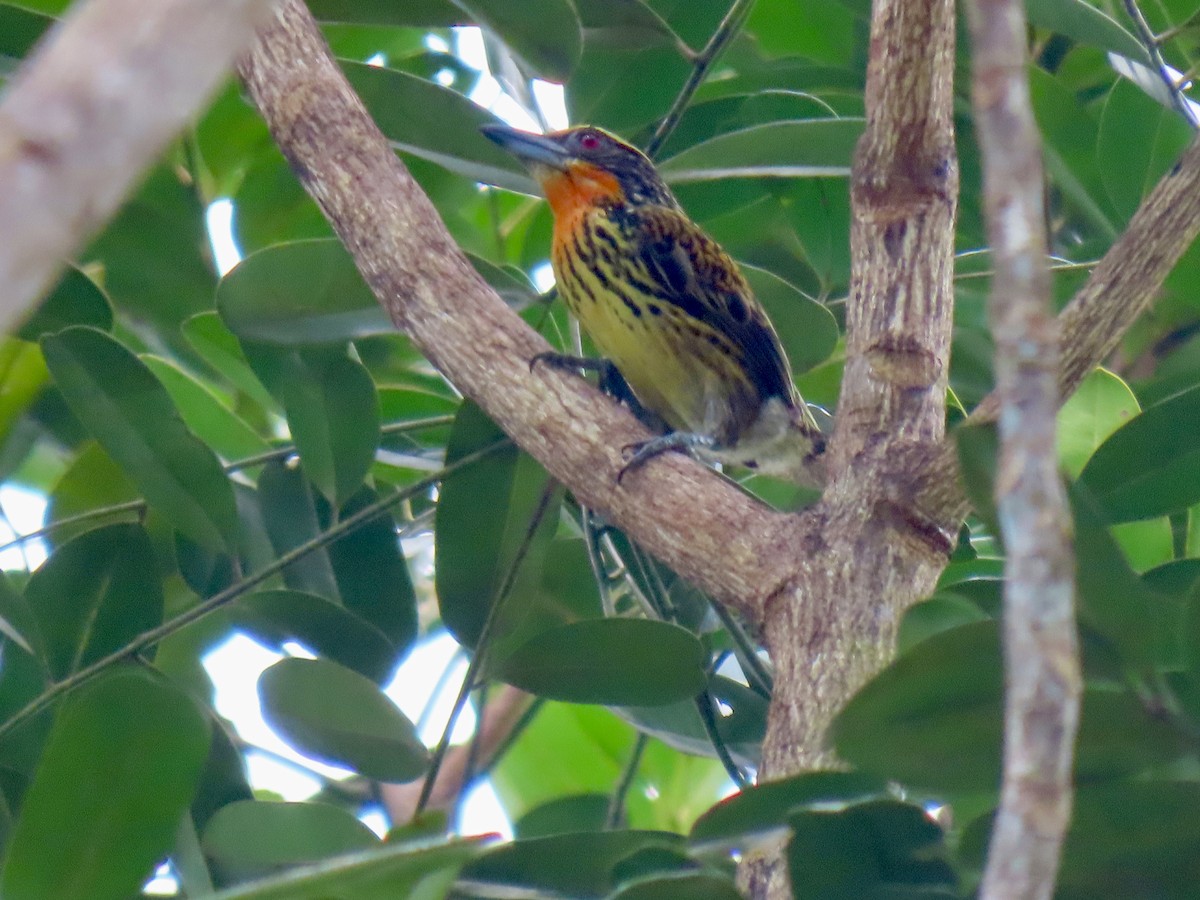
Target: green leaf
<point>156,255</point>
<point>1112,598</point>
<point>75,300</point>
<point>978,446</point>
<point>679,725</point>
<point>339,716</point>
<point>933,717</point>
<point>1150,466</point>
<point>437,124</point>
<point>828,35</point>
<point>309,292</point>
<point>119,769</point>
<point>23,681</point>
<point>939,613</point>
<point>483,518</point>
<point>819,212</point>
<point>623,24</point>
<point>1133,839</point>
<point>624,92</point>
<point>300,293</point>
<point>250,838</point>
<point>289,513</point>
<point>223,780</point>
<point>208,418</point>
<point>544,35</point>
<point>1130,168</point>
<point>387,873</point>
<point>756,812</point>
<point>94,595</point>
<point>372,575</point>
<point>219,347</point>
<point>574,865</point>
<point>130,413</point>
<point>1119,737</point>
<point>332,411</point>
<point>1083,22</point>
<point>1069,135</point>
<point>23,376</point>
<point>227,137</point>
<point>813,148</point>
<point>17,622</point>
<point>20,29</point>
<point>513,285</point>
<point>680,886</point>
<point>1102,403</point>
<point>272,208</point>
<point>567,749</point>
<point>275,617</point>
<point>806,328</point>
<point>565,815</point>
<point>92,482</point>
<point>620,662</point>
<point>875,849</point>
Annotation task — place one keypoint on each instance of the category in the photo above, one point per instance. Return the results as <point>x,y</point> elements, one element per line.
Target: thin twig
<point>701,63</point>
<point>706,706</point>
<point>286,450</point>
<point>475,745</point>
<point>507,714</point>
<point>149,638</point>
<point>237,465</point>
<point>758,676</point>
<point>1041,654</point>
<point>1154,49</point>
<point>616,806</point>
<point>481,646</point>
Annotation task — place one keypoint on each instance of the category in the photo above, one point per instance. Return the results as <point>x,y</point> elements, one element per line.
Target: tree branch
<point>434,295</point>
<point>891,413</point>
<point>864,556</point>
<point>1119,291</point>
<point>1040,648</point>
<point>89,111</point>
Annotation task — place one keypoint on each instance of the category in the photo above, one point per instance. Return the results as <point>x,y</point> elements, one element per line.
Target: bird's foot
<point>570,362</point>
<point>636,455</point>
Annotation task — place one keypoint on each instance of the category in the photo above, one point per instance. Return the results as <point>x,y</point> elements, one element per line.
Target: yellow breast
<point>677,366</point>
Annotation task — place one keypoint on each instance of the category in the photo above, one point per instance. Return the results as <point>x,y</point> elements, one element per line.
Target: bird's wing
<point>689,270</point>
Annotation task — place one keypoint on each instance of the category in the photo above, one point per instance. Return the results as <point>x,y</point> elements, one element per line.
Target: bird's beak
<point>531,149</point>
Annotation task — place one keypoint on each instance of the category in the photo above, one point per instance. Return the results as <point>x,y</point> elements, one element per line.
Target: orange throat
<point>574,192</point>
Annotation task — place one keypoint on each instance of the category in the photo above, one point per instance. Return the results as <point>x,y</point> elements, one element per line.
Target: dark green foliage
<point>193,432</point>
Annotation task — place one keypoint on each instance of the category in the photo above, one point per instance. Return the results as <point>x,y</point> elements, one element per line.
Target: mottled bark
<point>865,557</point>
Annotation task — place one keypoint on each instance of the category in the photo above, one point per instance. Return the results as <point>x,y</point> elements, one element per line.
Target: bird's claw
<point>558,360</point>
<point>639,453</point>
<point>633,458</point>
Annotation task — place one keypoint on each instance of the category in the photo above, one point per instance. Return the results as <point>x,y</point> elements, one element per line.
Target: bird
<point>668,307</point>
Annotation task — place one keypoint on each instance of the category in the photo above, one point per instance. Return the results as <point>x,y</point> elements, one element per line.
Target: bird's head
<point>584,167</point>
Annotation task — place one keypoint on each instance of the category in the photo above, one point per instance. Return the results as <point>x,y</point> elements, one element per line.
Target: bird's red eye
<point>589,141</point>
